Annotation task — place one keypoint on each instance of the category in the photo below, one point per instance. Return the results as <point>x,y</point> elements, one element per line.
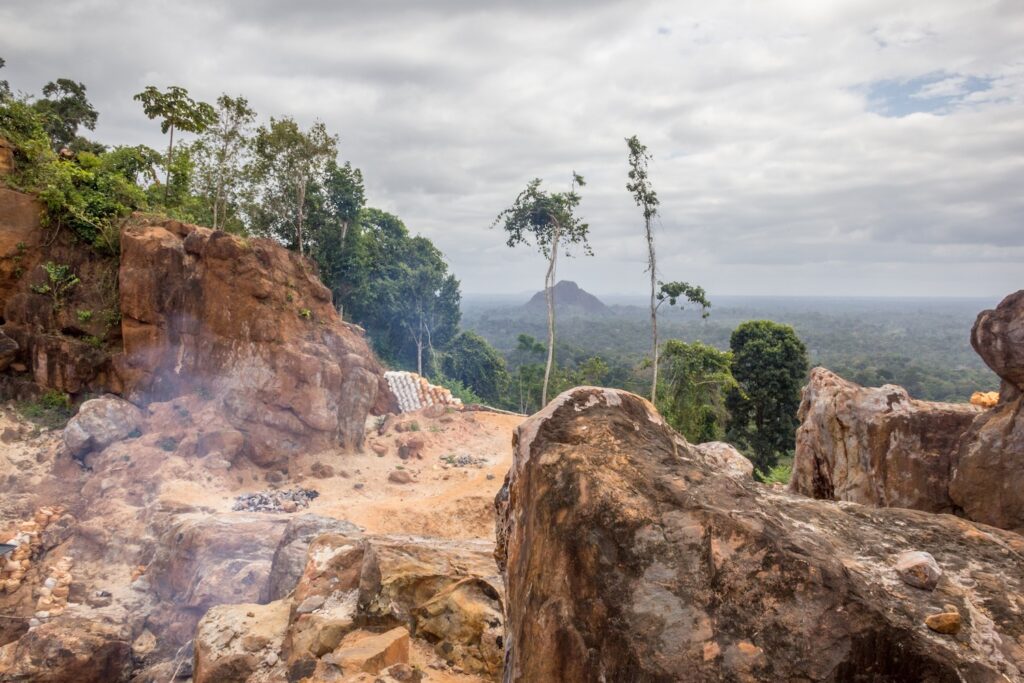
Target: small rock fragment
<point>400,477</point>
<point>918,569</point>
<point>947,623</point>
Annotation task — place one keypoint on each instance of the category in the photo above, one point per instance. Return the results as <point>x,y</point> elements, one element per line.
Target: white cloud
<point>775,175</point>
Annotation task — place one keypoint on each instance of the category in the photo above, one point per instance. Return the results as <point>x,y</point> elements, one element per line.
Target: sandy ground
<point>443,499</point>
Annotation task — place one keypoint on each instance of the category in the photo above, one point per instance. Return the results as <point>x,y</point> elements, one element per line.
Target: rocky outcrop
<point>203,560</point>
<point>70,649</point>
<point>876,446</point>
<point>99,423</point>
<point>998,337</point>
<point>988,480</point>
<point>357,607</point>
<point>249,323</point>
<point>628,557</point>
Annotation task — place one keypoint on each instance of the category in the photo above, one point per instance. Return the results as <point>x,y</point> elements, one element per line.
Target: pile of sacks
<point>415,392</point>
<point>27,539</point>
<point>53,594</point>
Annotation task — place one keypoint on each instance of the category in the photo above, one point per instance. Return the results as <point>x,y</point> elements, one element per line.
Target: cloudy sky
<point>849,147</point>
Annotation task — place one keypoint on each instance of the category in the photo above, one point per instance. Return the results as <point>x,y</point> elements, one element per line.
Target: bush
<point>89,194</point>
<point>51,410</point>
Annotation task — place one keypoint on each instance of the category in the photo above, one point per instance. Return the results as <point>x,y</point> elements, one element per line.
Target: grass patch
<point>781,473</point>
<point>51,410</point>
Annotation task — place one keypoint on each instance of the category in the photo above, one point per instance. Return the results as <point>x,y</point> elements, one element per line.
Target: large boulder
<point>99,423</point>
<point>629,557</point>
<point>988,479</point>
<point>876,446</point>
<point>289,559</point>
<point>203,560</point>
<point>234,643</point>
<point>249,323</point>
<point>998,337</point>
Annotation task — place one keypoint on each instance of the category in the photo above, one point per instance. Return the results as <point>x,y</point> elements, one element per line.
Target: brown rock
<point>69,649</point>
<point>99,423</point>
<point>947,623</point>
<point>876,446</point>
<point>464,623</point>
<point>8,351</point>
<point>988,480</point>
<point>371,652</point>
<point>411,447</point>
<point>232,641</point>
<point>919,569</point>
<point>203,560</point>
<point>205,310</point>
<point>229,443</point>
<point>727,459</point>
<point>629,557</point>
<point>998,337</point>
<point>400,477</point>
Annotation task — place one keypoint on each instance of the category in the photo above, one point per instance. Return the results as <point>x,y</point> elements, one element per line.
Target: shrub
<point>84,316</point>
<point>51,410</point>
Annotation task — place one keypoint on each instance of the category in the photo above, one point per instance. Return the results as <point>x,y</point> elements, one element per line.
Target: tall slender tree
<point>176,111</point>
<point>550,220</point>
<point>647,199</point>
<point>289,162</point>
<point>220,157</point>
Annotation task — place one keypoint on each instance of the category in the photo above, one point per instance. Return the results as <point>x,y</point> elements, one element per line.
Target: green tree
<point>647,199</point>
<point>346,196</point>
<point>427,303</point>
<point>220,157</point>
<point>770,366</point>
<point>289,163</point>
<point>548,219</point>
<point>696,380</point>
<point>529,374</point>
<point>176,111</point>
<point>398,287</point>
<point>476,364</point>
<point>5,88</point>
<point>64,108</point>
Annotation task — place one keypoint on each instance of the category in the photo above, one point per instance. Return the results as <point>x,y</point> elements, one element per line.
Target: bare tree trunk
<point>654,310</point>
<point>344,233</point>
<point>549,292</point>
<point>419,356</point>
<point>167,176</point>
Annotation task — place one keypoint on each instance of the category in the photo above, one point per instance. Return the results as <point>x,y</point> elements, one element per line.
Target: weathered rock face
<point>71,649</point>
<point>204,560</point>
<point>988,480</point>
<point>628,557</point>
<point>998,337</point>
<point>876,446</point>
<point>246,321</point>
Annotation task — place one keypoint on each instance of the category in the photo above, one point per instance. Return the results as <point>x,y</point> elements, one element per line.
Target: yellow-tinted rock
<point>985,399</point>
<point>944,622</point>
<point>371,652</point>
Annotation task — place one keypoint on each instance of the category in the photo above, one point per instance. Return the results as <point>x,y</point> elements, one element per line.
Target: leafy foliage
<point>770,365</point>
<point>59,281</point>
<point>64,108</point>
<point>696,380</point>
<point>221,157</point>
<point>476,364</point>
<point>289,165</point>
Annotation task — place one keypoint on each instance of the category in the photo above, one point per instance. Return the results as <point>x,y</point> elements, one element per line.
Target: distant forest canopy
<point>920,344</point>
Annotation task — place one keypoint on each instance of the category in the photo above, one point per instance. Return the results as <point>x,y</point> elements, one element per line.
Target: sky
<point>841,148</point>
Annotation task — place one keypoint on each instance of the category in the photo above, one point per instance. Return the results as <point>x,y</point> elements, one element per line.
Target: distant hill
<point>569,300</point>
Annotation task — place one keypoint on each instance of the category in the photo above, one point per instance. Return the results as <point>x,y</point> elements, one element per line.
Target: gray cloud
<point>778,170</point>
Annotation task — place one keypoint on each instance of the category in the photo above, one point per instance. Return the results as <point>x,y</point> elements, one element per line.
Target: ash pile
<point>462,461</point>
<point>288,500</point>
